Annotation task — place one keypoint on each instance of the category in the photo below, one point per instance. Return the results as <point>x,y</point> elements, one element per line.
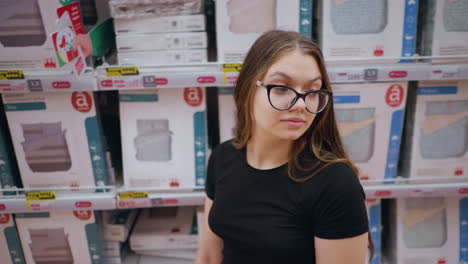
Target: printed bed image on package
<point>455,15</point>
<point>154,141</point>
<point>444,130</point>
<point>154,8</point>
<point>21,24</point>
<point>50,246</point>
<point>357,129</point>
<point>254,16</point>
<point>425,222</point>
<point>359,16</point>
<point>45,147</point>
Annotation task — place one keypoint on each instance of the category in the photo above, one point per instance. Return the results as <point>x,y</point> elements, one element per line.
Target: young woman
<point>283,190</point>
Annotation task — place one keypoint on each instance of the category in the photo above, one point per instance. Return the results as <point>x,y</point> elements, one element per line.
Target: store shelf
<point>215,74</point>
<point>161,199</point>
<point>161,77</point>
<point>63,201</point>
<point>124,198</point>
<point>47,80</point>
<point>459,189</point>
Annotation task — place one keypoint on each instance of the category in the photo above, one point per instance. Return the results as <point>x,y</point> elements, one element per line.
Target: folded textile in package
<point>152,8</point>
<point>45,147</point>
<point>165,228</point>
<point>50,246</point>
<point>359,16</point>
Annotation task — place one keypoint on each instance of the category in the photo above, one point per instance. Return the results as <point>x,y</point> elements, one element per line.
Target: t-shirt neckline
<point>243,153</point>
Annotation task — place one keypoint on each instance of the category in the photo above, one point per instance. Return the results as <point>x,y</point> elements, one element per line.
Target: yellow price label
<point>40,200</point>
<point>40,196</point>
<point>230,68</point>
<point>122,71</point>
<point>11,75</point>
<point>132,195</point>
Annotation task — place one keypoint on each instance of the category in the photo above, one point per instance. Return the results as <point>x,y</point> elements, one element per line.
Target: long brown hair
<point>322,137</point>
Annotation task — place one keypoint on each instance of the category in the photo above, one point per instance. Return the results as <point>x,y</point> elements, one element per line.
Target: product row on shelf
<point>75,35</point>
<point>123,198</point>
<point>399,229</point>
<point>209,75</point>
<point>47,34</point>
<point>407,139</point>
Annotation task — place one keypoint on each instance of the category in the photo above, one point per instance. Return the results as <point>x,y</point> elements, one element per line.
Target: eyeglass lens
<point>283,98</point>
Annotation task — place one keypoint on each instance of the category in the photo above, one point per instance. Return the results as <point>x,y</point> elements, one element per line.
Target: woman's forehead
<point>294,65</point>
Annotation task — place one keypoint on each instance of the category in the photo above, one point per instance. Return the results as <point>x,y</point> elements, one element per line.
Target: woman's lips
<point>294,122</point>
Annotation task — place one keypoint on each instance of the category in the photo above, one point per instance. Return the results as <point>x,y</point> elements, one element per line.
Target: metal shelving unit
<point>217,74</point>
<point>113,197</point>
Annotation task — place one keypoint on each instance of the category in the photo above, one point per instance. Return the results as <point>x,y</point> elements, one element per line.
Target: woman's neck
<point>267,153</point>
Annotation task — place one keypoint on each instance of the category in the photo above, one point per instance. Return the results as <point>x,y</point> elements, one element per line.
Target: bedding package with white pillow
<point>370,121</point>
<point>428,230</point>
<point>436,131</point>
<point>239,23</point>
<point>164,140</point>
<point>444,29</point>
<point>357,29</point>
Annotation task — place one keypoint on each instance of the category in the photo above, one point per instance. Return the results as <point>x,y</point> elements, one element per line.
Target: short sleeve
<point>340,211</point>
<point>210,175</point>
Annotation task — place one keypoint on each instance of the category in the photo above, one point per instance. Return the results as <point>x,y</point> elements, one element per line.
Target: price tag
<point>134,200</point>
<point>230,73</point>
<point>445,73</point>
<point>40,201</point>
<point>11,75</point>
<point>122,71</point>
<point>346,75</point>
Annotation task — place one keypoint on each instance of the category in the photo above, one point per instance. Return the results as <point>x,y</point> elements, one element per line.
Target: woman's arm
<point>351,250</point>
<point>211,246</point>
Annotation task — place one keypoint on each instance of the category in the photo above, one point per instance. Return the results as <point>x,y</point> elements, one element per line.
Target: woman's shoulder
<point>336,177</point>
<point>225,151</point>
<point>336,182</point>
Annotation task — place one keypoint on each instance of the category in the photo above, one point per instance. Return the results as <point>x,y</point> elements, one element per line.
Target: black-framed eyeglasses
<point>283,97</point>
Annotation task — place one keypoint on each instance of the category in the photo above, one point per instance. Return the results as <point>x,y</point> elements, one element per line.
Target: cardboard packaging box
<point>165,228</point>
<point>65,237</point>
<point>429,230</point>
<point>57,138</point>
<point>9,174</point>
<point>144,259</point>
<point>368,28</point>
<point>164,24</point>
<point>115,252</point>
<point>117,224</point>
<point>436,131</point>
<point>163,57</point>
<point>227,113</point>
<point>25,38</point>
<point>182,254</point>
<point>444,28</point>
<point>164,139</point>
<point>370,120</point>
<point>239,23</point>
<point>10,245</point>
<point>137,9</point>
<point>161,41</point>
<point>375,227</point>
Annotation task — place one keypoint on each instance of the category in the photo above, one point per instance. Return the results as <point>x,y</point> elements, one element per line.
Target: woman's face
<point>298,71</point>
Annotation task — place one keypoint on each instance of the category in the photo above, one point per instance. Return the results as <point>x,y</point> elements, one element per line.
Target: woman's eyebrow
<point>286,76</point>
<point>280,74</point>
<point>316,79</point>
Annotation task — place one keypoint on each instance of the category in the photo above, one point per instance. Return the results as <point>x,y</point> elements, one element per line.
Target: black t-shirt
<point>265,217</point>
